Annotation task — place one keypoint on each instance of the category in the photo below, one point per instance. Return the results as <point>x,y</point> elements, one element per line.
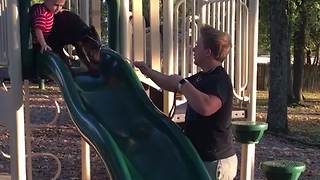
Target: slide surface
<point>113,113</point>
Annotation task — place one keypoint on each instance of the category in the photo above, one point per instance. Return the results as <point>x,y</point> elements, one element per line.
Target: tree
<point>277,104</point>
<point>313,29</point>
<point>291,98</point>
<point>299,54</point>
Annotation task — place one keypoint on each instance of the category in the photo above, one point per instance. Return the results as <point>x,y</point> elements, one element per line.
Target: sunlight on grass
<point>262,99</point>
<point>262,95</point>
<point>303,119</point>
<point>312,95</point>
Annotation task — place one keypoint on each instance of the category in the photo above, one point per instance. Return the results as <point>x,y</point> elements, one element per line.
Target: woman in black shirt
<point>209,99</point>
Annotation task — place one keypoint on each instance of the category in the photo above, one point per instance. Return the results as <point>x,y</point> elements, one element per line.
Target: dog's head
<point>91,45</point>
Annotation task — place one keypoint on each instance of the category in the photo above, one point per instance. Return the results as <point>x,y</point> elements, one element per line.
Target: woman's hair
<point>219,42</point>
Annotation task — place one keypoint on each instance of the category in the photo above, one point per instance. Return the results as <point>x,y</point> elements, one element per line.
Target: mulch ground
<point>62,139</point>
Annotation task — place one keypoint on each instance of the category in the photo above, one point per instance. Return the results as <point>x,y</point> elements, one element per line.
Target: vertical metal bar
<point>179,40</point>
<point>28,130</point>
<point>193,34</point>
<point>85,160</point>
<point>95,15</point>
<point>207,19</point>
<point>203,8</point>
<point>223,27</point>
<point>84,10</point>
<point>155,34</point>
<point>176,38</point>
<point>245,62</point>
<point>138,41</point>
<point>124,23</point>
<point>232,34</point>
<point>238,48</point>
<point>248,151</point>
<point>16,121</point>
<point>188,46</point>
<point>195,68</point>
<point>68,4</point>
<point>168,49</point>
<point>227,29</point>
<point>214,17</point>
<point>218,22</point>
<point>85,147</point>
<point>223,14</point>
<point>76,5</point>
<point>184,48</point>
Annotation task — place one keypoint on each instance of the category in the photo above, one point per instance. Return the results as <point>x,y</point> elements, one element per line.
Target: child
<point>42,16</point>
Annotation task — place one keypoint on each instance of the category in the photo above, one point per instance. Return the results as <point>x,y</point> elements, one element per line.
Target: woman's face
<point>199,52</point>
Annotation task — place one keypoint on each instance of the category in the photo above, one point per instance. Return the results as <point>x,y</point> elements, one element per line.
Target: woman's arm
<point>166,82</point>
<point>202,103</point>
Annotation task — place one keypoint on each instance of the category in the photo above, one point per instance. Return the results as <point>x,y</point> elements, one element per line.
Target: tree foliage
<point>305,39</point>
<point>264,28</point>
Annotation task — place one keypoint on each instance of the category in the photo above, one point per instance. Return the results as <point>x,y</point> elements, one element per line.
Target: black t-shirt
<point>212,135</point>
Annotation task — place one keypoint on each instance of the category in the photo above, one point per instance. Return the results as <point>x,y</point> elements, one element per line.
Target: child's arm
<point>42,41</point>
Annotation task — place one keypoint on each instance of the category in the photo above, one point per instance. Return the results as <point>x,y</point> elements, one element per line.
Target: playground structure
<point>238,18</point>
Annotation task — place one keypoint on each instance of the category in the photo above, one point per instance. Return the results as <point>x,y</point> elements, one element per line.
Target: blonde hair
<point>217,41</point>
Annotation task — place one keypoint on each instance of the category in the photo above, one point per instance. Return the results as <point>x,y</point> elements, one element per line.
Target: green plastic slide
<point>114,115</point>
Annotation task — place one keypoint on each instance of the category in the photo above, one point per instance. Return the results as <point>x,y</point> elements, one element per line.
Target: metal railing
<point>149,44</point>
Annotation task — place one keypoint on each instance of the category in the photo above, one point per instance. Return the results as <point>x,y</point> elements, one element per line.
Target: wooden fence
<point>311,77</point>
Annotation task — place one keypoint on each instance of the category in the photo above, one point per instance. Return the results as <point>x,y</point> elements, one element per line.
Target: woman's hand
<point>142,66</point>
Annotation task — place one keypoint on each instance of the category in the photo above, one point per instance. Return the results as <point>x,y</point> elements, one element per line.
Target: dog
<point>69,28</point>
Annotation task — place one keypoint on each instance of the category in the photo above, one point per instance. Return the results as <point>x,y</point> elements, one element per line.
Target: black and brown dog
<point>69,28</point>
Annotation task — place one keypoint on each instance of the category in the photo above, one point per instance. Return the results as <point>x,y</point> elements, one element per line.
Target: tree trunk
<point>299,55</point>
<point>291,97</point>
<point>277,104</point>
<point>308,56</point>
<point>316,56</point>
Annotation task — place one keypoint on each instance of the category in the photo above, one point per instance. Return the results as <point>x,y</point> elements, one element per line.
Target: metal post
<point>168,49</point>
<point>138,40</point>
<point>238,55</point>
<point>155,35</point>
<point>95,14</point>
<point>28,130</point>
<point>124,21</point>
<point>16,120</point>
<point>85,160</point>
<point>248,151</point>
<point>84,10</point>
<point>85,147</point>
<point>193,33</point>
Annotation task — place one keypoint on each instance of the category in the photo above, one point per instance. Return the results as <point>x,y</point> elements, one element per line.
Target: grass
<point>303,120</point>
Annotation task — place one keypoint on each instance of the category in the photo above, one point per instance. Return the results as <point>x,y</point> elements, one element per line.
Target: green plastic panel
<point>248,132</point>
<point>28,64</point>
<point>113,113</point>
<point>282,169</point>
<point>113,24</point>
